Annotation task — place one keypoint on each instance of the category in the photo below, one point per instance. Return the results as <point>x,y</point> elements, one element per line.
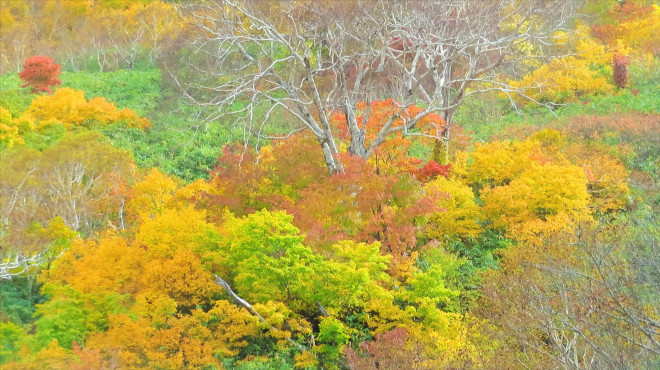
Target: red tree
<point>620,70</point>
<point>39,73</point>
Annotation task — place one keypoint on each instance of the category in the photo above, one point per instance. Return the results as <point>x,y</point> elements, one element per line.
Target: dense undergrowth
<point>147,217</point>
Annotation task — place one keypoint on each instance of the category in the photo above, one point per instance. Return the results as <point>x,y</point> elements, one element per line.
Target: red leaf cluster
<point>431,170</point>
<point>39,72</point>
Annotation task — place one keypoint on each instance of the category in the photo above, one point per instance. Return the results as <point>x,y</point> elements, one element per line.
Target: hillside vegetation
<point>357,185</point>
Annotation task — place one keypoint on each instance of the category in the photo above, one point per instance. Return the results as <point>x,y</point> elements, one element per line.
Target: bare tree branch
<point>312,59</point>
<point>252,311</point>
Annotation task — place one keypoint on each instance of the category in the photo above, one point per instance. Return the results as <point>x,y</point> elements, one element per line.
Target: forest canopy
<point>360,184</point>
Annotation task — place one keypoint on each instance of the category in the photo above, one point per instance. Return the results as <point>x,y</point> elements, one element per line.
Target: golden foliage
<point>460,213</point>
<point>150,195</point>
<point>70,108</point>
<point>563,79</point>
<point>182,278</point>
<point>635,30</point>
<point>108,265</point>
<point>499,162</point>
<point>8,130</point>
<point>172,230</point>
<point>540,193</point>
<point>188,341</point>
<point>607,177</point>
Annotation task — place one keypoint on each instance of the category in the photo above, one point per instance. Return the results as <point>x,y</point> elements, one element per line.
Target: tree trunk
<point>357,135</point>
<point>357,146</point>
<point>440,152</point>
<point>331,160</point>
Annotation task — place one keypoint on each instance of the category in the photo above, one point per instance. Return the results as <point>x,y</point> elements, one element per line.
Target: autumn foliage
<point>39,73</point>
<point>535,246</point>
<point>391,153</point>
<point>70,108</point>
<point>632,26</point>
<point>620,70</point>
<point>431,170</point>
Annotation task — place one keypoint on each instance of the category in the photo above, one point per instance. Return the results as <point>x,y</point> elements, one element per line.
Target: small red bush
<point>620,70</point>
<point>39,73</point>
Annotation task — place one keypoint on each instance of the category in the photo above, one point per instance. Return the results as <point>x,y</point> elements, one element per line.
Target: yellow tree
<point>190,341</point>
<point>150,196</point>
<point>70,108</point>
<point>585,71</point>
<point>459,214</point>
<point>550,196</point>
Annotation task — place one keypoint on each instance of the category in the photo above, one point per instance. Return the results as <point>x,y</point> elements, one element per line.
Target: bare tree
<point>18,264</point>
<point>310,60</point>
<point>588,299</point>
